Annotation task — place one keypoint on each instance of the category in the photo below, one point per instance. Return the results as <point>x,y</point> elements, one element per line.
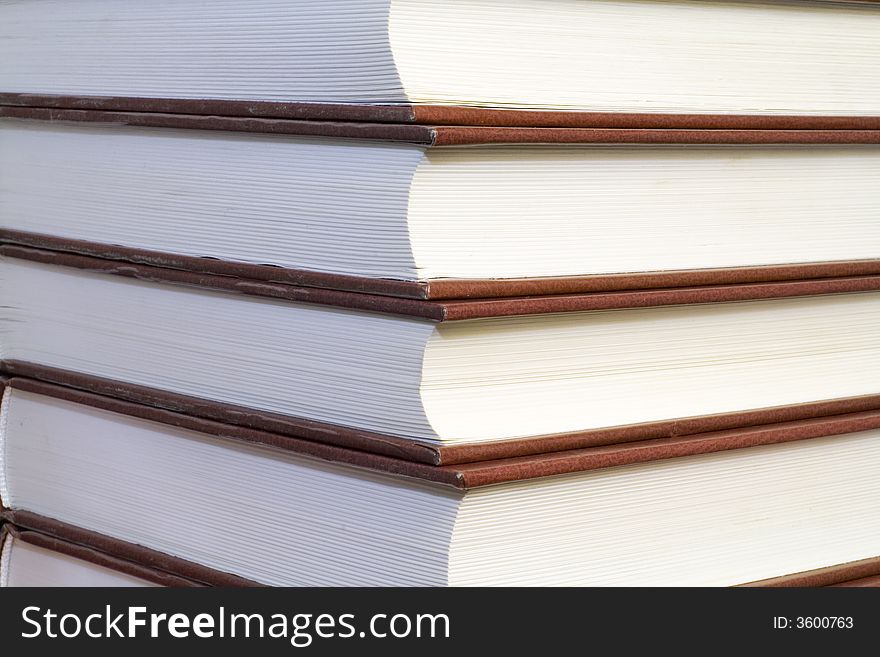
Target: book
<point>528,375</point>
<point>363,208</point>
<point>309,514</point>
<point>864,573</point>
<point>414,58</point>
<point>32,559</point>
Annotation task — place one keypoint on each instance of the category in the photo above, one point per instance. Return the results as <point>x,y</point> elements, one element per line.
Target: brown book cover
<point>466,306</point>
<point>864,582</point>
<point>449,289</point>
<point>441,115</point>
<point>437,135</point>
<point>468,466</point>
<point>134,560</point>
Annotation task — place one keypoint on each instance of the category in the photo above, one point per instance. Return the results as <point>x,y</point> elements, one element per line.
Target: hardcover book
<point>103,471</point>
<point>365,208</point>
<point>558,62</point>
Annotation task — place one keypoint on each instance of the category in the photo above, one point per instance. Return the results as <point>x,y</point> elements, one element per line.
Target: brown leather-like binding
<point>414,134</point>
<point>484,308</point>
<point>373,451</point>
<point>467,136</point>
<point>346,112</point>
<point>269,273</point>
<point>444,135</point>
<point>99,558</point>
<point>93,542</point>
<point>483,116</point>
<point>453,310</point>
<point>476,474</point>
<point>377,303</point>
<point>667,429</point>
<point>840,575</point>
<point>865,582</point>
<point>489,288</point>
<point>442,114</point>
<point>451,289</point>
<point>641,449</point>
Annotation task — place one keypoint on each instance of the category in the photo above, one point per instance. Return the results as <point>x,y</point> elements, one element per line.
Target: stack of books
<point>362,292</point>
